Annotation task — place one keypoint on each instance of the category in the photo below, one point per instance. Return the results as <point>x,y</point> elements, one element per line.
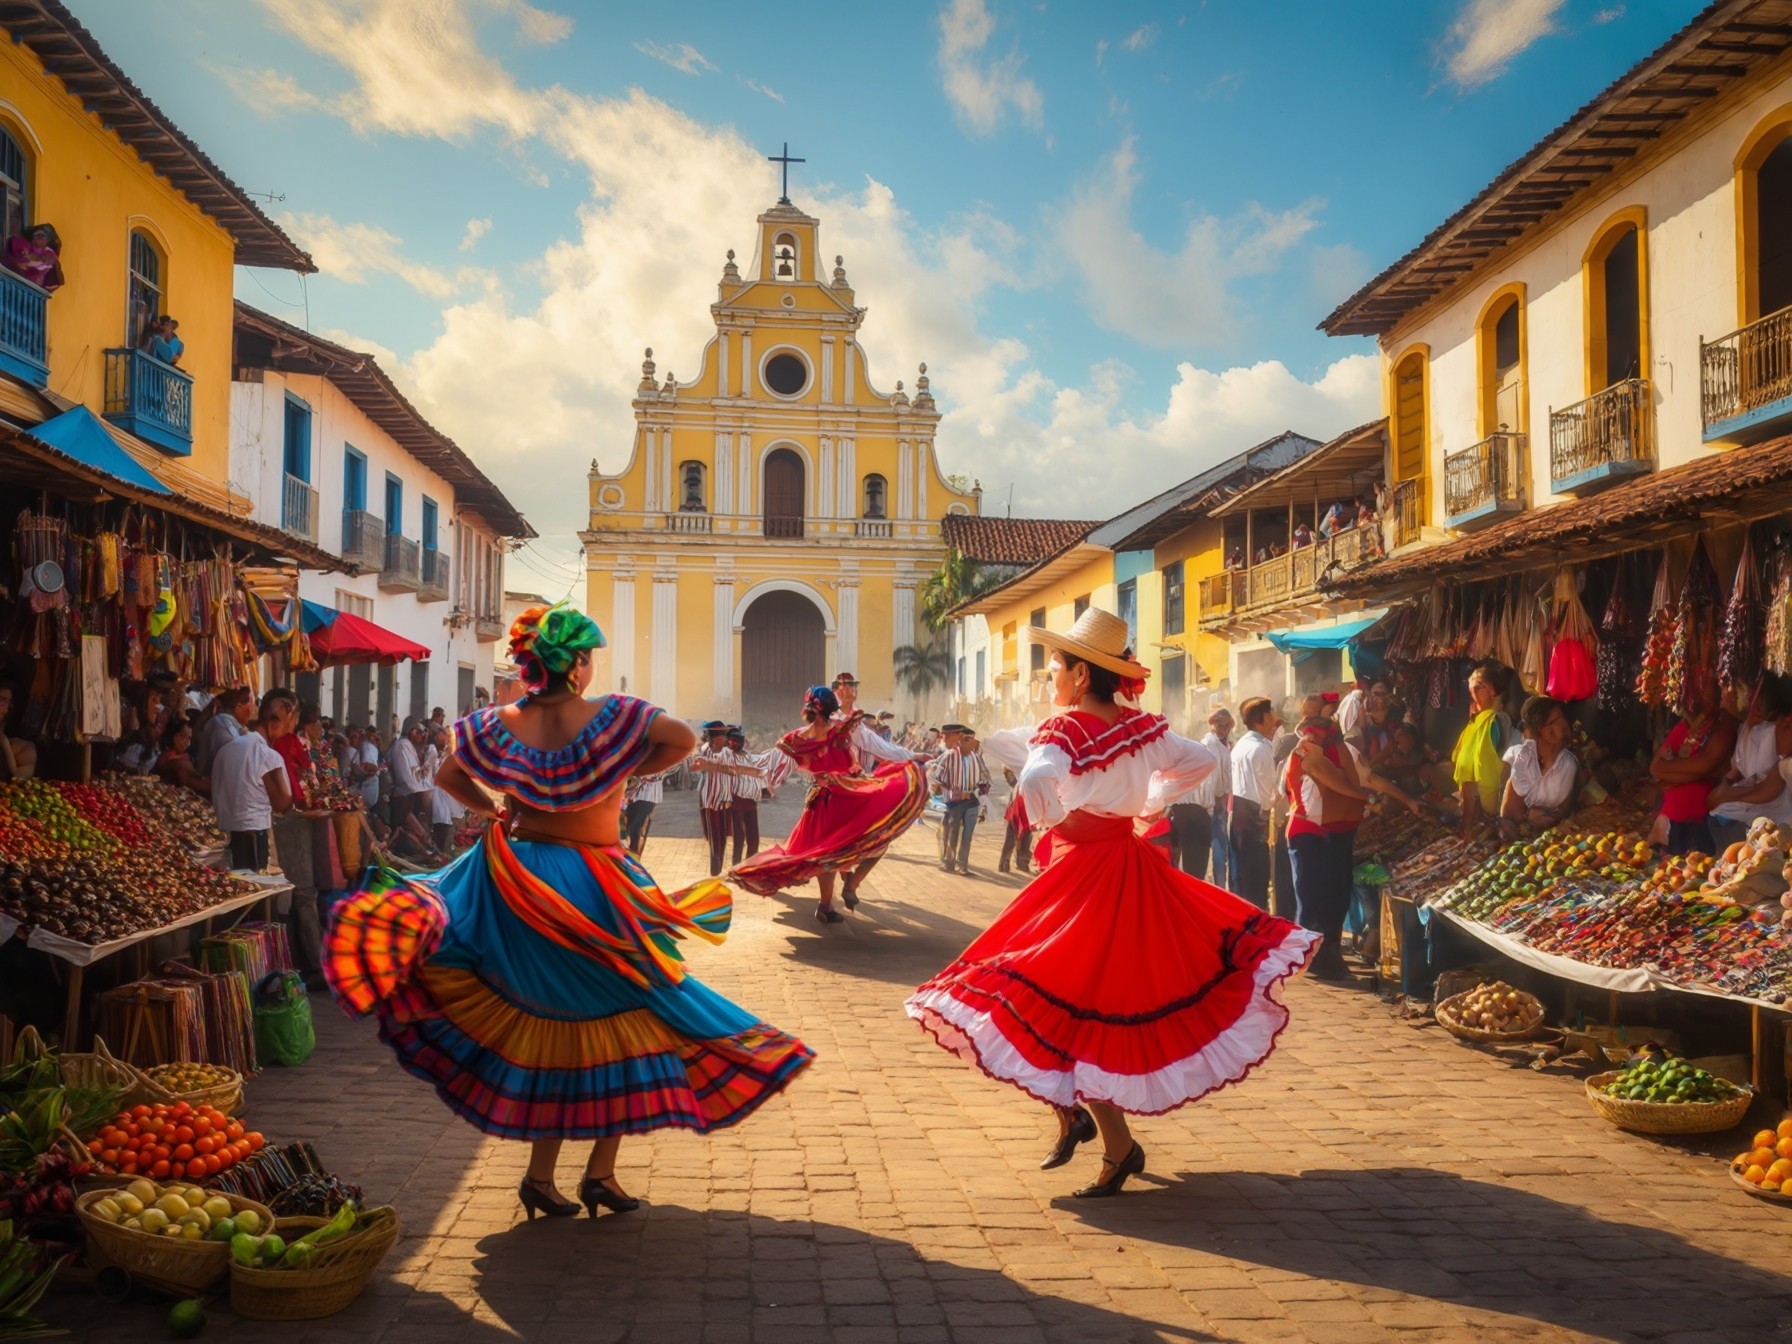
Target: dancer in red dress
<point>1114,982</point>
<point>847,818</point>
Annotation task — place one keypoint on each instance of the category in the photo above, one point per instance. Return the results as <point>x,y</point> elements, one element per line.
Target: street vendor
<point>1753,787</point>
<point>1479,757</point>
<point>1545,778</point>
<point>18,758</point>
<point>1688,765</point>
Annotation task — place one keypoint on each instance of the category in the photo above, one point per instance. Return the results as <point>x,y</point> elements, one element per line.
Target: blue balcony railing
<point>22,348</point>
<point>150,399</point>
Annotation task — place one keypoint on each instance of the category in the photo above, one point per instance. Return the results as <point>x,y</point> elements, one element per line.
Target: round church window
<point>786,374</point>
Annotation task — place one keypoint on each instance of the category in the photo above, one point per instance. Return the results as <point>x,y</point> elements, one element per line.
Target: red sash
<point>1082,828</point>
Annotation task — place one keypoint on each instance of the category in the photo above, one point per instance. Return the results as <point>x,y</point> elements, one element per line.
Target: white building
<point>332,452</point>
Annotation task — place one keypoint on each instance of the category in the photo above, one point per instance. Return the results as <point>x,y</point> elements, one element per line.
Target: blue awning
<point>83,436</point>
<point>1323,637</point>
<point>317,615</point>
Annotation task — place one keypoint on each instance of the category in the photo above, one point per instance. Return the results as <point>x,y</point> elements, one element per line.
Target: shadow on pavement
<point>666,1273</point>
<point>1415,1232</point>
<point>894,942</point>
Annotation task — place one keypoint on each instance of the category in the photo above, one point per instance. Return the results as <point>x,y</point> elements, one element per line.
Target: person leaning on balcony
<point>1303,536</point>
<point>163,344</point>
<point>1337,519</point>
<point>36,254</point>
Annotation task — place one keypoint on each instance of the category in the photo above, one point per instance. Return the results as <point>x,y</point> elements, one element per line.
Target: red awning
<point>352,639</point>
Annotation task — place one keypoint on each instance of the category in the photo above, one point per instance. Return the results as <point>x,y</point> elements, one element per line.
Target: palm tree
<point>923,669</point>
<point>956,580</point>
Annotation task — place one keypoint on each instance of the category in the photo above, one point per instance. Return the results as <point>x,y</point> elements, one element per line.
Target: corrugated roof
<point>1726,41</point>
<point>70,53</point>
<point>1010,541</point>
<point>291,349</point>
<point>1743,482</point>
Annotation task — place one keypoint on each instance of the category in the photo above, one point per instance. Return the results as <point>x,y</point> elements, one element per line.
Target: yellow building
<point>778,512</point>
<point>148,225</point>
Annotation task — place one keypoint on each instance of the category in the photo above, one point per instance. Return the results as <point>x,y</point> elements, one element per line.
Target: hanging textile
<point>1739,641</point>
<point>1692,667</point>
<point>1658,647</point>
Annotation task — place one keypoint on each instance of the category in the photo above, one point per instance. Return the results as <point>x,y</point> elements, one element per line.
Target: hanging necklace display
<point>1739,641</point>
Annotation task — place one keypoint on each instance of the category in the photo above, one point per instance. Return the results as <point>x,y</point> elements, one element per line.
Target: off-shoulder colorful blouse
<point>603,755</point>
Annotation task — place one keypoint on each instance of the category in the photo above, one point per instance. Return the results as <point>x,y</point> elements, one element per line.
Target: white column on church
<point>902,614</point>
<point>848,646</point>
<point>664,691</point>
<point>723,639</point>
<point>722,489</point>
<point>669,500</point>
<point>621,633</point>
<point>722,352</point>
<point>826,498</point>
<point>904,476</point>
<point>851,449</point>
<point>744,478</point>
<point>827,370</point>
<point>923,469</point>
<point>747,386</point>
<point>650,445</point>
<point>846,495</point>
<point>847,394</point>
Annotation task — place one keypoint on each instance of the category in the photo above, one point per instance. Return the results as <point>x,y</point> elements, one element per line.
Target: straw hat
<point>1098,637</point>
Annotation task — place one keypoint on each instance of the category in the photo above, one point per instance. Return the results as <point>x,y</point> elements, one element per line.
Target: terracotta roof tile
<point>1010,541</point>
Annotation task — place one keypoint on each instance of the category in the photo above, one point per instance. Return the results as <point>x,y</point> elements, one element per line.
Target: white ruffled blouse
<point>1130,768</point>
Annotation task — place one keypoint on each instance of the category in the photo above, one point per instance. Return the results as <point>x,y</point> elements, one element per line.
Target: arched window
<point>876,492</point>
<point>784,257</point>
<point>15,205</point>
<point>690,476</point>
<point>145,299</point>
<point>1410,436</point>
<point>1500,339</point>
<point>783,494</point>
<point>1764,219</point>
<point>1615,287</point>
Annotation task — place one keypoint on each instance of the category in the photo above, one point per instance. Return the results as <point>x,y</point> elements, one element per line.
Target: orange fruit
<point>1763,1158</point>
<point>1779,1171</point>
<point>1755,1175</point>
<point>1785,1130</point>
<point>1783,1147</point>
<point>1772,1187</point>
<point>1766,1139</point>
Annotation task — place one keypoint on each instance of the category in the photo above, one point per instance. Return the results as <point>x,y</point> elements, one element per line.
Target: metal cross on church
<point>786,160</point>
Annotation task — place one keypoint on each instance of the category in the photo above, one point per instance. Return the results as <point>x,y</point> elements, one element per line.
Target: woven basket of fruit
<point>171,1237</point>
<point>1489,1013</point>
<point>324,1266</point>
<point>1764,1168</point>
<point>1662,1095</point>
<point>196,1084</point>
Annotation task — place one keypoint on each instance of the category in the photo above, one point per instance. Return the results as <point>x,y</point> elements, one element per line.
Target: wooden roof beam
<point>1731,71</point>
<point>1684,91</point>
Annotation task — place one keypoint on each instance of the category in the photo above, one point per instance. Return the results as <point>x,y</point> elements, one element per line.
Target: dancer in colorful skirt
<point>869,747</point>
<point>846,819</point>
<point>536,981</point>
<point>1114,982</point>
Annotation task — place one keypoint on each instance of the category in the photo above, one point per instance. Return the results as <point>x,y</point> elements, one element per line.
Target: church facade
<point>778,513</point>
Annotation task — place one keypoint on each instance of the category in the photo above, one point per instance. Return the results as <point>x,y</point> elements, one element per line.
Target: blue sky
<point>1109,230</point>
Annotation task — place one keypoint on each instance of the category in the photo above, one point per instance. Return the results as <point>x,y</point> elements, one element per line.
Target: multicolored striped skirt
<point>539,988</point>
<point>844,822</point>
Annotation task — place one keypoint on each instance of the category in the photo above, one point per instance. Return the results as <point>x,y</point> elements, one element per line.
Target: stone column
<point>723,639</point>
<point>664,654</point>
<point>621,633</point>
<point>848,623</point>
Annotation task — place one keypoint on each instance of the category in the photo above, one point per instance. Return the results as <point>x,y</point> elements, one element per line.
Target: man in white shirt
<point>410,789</point>
<point>1219,742</point>
<point>232,712</point>
<point>958,774</point>
<point>250,783</point>
<point>1193,815</point>
<point>1352,706</point>
<point>1253,795</point>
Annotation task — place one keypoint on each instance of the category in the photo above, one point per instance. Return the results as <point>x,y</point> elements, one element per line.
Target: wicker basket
<point>1771,1196</point>
<point>1446,1018</point>
<point>171,1264</point>
<point>338,1273</point>
<point>1661,1117</point>
<point>100,1069</point>
<point>226,1096</point>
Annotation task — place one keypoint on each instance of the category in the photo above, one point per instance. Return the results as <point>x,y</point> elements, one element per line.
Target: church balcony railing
<point>690,522</point>
<point>784,527</point>
<point>878,529</point>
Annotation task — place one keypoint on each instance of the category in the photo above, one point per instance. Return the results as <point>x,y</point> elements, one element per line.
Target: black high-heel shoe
<point>539,1197</point>
<point>850,896</point>
<point>1082,1129</point>
<point>828,915</point>
<point>1130,1165</point>
<point>593,1191</point>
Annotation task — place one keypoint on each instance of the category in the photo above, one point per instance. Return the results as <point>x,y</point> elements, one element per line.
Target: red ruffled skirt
<point>1116,977</point>
<point>845,821</point>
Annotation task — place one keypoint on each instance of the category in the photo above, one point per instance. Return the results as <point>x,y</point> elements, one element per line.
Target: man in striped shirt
<point>747,791</point>
<point>713,765</point>
<point>643,794</point>
<point>959,776</point>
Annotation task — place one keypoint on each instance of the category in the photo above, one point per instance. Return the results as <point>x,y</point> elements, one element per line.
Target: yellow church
<point>778,512</point>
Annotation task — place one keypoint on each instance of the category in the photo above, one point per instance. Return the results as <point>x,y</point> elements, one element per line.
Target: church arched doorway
<point>783,652</point>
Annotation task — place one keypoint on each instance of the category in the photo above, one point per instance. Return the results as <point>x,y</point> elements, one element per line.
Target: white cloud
<point>1141,37</point>
<point>268,92</point>
<point>1609,15</point>
<point>766,89</point>
<point>539,26</point>
<point>1488,34</point>
<point>357,253</point>
<point>1170,300</point>
<point>982,89</point>
<point>667,196</point>
<point>681,56</point>
<point>1101,51</point>
<point>476,229</point>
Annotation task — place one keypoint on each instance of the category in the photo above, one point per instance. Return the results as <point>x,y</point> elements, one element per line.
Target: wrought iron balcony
<point>690,522</point>
<point>434,584</point>
<point>1408,508</point>
<point>783,525</point>
<point>22,347</point>
<point>298,508</point>
<point>402,571</point>
<point>363,538</point>
<point>1484,481</point>
<point>1606,438</point>
<point>1745,380</point>
<point>877,529</point>
<point>150,399</point>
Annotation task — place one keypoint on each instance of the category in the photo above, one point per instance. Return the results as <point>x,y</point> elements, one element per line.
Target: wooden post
<point>71,1017</point>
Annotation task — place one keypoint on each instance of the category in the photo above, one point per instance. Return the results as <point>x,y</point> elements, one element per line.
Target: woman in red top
<point>295,750</point>
<point>1687,766</point>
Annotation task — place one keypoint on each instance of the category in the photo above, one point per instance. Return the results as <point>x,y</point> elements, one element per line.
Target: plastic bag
<point>283,1032</point>
<point>1572,674</point>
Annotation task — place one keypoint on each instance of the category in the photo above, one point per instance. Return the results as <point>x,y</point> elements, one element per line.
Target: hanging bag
<point>283,1031</point>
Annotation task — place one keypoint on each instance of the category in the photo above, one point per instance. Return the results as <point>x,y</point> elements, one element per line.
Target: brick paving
<point>1372,1183</point>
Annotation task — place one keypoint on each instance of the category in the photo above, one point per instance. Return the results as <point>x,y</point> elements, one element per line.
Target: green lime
<point>186,1319</point>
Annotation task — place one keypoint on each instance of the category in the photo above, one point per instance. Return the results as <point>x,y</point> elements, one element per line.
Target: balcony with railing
<point>1485,481</point>
<point>874,529</point>
<point>690,522</point>
<point>783,526</point>
<point>1215,592</point>
<point>1609,437</point>
<point>1745,380</point>
<point>23,351</point>
<point>1290,578</point>
<point>433,582</point>
<point>363,538</point>
<point>298,508</point>
<point>402,571</point>
<point>487,626</point>
<point>150,399</point>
